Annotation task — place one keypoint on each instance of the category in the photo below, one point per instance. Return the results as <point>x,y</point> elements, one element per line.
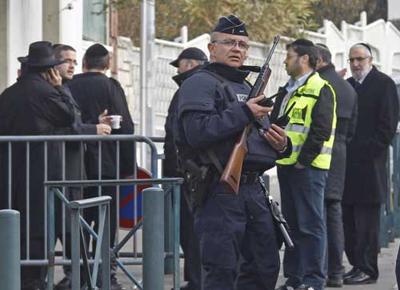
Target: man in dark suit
<point>366,176</point>
<point>46,111</point>
<point>74,169</point>
<point>346,111</point>
<point>95,93</point>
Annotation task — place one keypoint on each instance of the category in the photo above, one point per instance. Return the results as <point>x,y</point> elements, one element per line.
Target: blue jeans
<point>302,198</point>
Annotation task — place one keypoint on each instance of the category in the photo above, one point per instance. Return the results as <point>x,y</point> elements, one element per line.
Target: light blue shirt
<point>292,86</point>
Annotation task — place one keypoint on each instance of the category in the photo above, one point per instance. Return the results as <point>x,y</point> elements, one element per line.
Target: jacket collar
<point>180,78</point>
<point>228,72</point>
<point>366,79</point>
<point>328,68</point>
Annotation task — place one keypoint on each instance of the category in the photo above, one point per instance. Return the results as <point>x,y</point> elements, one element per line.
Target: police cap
<point>231,25</point>
<point>190,53</point>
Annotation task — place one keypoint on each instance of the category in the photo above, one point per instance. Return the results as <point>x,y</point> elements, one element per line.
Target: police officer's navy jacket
<point>170,163</point>
<point>212,115</point>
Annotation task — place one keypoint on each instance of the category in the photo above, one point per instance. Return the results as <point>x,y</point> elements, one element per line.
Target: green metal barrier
<point>390,213</point>
<point>10,268</point>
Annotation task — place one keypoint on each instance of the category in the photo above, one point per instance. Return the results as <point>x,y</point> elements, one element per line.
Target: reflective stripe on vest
<point>301,129</point>
<point>298,128</point>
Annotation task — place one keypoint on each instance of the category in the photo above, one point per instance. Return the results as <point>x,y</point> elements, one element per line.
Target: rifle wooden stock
<point>233,169</point>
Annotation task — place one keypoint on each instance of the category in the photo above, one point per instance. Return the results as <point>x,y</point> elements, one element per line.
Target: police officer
<point>189,61</point>
<point>213,111</point>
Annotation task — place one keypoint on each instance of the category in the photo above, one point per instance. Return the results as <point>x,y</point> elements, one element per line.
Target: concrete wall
<point>20,25</point>
<point>393,9</point>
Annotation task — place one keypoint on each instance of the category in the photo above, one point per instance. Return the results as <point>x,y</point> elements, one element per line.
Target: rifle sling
<point>215,161</point>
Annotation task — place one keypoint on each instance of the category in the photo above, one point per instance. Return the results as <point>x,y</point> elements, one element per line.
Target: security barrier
<point>55,188</point>
<point>390,213</point>
<point>10,274</point>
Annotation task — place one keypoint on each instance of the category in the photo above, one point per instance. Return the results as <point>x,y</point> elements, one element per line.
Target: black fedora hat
<point>41,54</point>
<point>190,53</point>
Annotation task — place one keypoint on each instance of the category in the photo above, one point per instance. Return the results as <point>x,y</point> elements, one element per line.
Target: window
<point>95,20</point>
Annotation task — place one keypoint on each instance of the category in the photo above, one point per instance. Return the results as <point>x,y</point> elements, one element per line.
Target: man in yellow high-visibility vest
<point>309,102</point>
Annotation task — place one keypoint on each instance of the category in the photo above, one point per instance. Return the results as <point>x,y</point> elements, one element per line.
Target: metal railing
<point>390,213</point>
<point>31,145</point>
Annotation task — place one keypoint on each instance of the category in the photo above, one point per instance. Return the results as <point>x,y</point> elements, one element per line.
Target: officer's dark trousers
<point>361,231</point>
<point>302,198</point>
<point>230,225</point>
<point>190,248</point>
<point>335,239</point>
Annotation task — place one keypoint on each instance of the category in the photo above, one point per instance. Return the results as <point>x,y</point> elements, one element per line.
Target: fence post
<point>168,232</point>
<point>10,265</point>
<point>153,239</point>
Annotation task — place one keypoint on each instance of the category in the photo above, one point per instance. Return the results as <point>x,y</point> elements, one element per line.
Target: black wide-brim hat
<point>41,54</point>
<point>190,53</point>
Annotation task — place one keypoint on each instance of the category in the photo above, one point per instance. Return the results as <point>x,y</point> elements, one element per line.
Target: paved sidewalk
<point>387,278</point>
<point>387,261</point>
<point>386,281</point>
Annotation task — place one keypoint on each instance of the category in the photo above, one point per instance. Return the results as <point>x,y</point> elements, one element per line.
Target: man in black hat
<point>95,93</point>
<point>189,61</point>
<point>212,113</point>
<point>45,112</point>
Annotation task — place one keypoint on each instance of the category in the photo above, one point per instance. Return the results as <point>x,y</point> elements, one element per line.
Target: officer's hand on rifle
<point>276,136</point>
<point>257,110</point>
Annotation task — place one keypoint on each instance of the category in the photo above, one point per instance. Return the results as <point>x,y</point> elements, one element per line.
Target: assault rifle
<point>277,217</point>
<point>233,169</point>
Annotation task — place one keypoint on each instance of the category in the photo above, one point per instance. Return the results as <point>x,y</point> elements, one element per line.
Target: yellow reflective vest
<point>305,98</point>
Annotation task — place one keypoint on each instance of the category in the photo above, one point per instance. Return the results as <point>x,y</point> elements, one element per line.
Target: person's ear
<point>211,47</point>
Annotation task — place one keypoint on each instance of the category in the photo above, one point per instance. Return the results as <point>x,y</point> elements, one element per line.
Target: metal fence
<point>127,248</point>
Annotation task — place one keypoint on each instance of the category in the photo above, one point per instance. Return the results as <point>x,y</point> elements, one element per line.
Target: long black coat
<point>94,92</point>
<point>346,111</point>
<point>32,107</point>
<point>378,114</point>
<point>73,168</point>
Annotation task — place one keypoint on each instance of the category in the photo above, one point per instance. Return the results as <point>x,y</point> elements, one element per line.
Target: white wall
<point>24,26</point>
<point>382,36</point>
<point>71,26</point>
<point>393,9</point>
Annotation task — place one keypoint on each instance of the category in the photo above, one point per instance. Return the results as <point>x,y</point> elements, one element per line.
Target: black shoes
<point>304,287</point>
<point>285,287</point>
<point>359,278</point>
<point>185,287</point>
<point>301,287</point>
<point>64,284</point>
<point>352,272</point>
<point>334,282</point>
